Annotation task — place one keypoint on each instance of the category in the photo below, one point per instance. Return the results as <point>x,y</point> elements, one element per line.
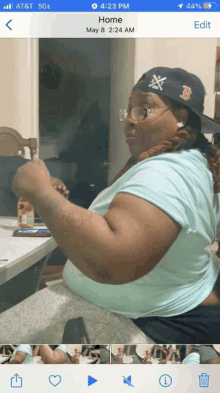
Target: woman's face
<point>160,123</point>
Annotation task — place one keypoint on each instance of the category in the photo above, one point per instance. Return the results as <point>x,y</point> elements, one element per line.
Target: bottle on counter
<point>173,358</point>
<point>3,351</point>
<point>25,214</point>
<point>147,357</point>
<point>76,356</point>
<point>120,353</point>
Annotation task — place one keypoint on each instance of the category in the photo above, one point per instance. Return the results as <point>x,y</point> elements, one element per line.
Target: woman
<point>142,250</point>
<point>159,352</point>
<point>23,354</point>
<point>173,354</point>
<point>193,355</point>
<point>57,356</point>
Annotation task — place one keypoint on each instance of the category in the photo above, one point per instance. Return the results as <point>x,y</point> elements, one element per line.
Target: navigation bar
<point>109,25</point>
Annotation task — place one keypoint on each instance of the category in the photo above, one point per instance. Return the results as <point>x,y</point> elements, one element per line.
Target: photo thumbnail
<point>54,354</point>
<point>155,354</point>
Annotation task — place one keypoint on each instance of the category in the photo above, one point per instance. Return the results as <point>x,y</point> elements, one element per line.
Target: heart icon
<point>55,379</point>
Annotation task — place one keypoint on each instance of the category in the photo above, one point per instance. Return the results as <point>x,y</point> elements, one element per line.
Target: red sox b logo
<point>186,93</point>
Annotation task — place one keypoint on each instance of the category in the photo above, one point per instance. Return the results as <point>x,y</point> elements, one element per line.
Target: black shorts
<point>208,354</point>
<point>198,326</point>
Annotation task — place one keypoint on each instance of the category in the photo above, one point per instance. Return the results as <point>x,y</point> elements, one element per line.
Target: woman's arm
<point>19,358</point>
<point>86,350</point>
<point>12,347</point>
<point>155,351</point>
<point>49,356</point>
<point>124,245</point>
<point>171,351</point>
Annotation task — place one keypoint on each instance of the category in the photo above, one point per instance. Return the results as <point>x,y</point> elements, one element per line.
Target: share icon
<point>127,381</point>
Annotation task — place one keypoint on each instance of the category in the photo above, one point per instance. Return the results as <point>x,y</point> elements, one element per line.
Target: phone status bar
<point>93,6</point>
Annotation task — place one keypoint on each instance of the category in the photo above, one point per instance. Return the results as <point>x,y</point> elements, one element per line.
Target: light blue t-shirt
<point>62,348</point>
<point>192,358</point>
<point>25,349</point>
<point>181,185</point>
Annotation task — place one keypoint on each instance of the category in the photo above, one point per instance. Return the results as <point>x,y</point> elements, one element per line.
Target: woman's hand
<point>31,179</point>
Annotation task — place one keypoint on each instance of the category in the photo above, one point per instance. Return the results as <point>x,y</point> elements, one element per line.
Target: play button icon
<point>91,380</point>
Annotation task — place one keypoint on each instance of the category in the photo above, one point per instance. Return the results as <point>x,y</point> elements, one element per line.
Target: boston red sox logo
<point>187,91</point>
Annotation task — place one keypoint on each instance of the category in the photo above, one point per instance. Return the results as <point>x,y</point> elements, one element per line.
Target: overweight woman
<point>142,249</point>
<point>23,354</point>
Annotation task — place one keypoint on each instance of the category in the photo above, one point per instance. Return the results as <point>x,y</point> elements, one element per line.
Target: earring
<point>180,124</point>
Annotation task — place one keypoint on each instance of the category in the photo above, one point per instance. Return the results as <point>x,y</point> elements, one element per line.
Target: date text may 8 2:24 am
<point>110,30</point>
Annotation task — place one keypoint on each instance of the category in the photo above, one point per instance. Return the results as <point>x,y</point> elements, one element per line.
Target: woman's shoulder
<point>189,156</point>
<point>25,348</point>
<point>182,168</point>
<point>185,160</point>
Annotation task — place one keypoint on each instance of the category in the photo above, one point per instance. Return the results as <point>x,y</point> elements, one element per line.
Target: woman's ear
<point>181,116</point>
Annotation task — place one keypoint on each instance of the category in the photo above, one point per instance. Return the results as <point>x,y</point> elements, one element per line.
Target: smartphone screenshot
<point>109,196</point>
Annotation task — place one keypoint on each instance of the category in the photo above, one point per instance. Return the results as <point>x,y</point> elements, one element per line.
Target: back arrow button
<point>7,24</point>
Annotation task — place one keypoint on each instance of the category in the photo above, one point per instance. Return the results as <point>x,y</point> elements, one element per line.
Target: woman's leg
<point>198,326</point>
<point>208,355</point>
<point>42,317</point>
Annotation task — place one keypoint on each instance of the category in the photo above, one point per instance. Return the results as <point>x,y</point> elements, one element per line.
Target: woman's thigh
<point>41,319</point>
<point>198,326</point>
<point>207,354</point>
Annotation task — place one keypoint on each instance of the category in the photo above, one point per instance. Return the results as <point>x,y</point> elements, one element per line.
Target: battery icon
<point>207,6</point>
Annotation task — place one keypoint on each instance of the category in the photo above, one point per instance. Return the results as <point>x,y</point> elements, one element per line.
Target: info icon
<point>165,380</point>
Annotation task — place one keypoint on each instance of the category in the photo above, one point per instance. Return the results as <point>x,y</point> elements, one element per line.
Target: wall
<point>122,80</point>
<point>19,86</point>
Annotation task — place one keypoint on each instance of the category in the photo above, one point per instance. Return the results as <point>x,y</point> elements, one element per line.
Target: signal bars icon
<point>8,7</point>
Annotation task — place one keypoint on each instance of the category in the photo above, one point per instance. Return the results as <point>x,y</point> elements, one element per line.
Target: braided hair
<point>187,137</point>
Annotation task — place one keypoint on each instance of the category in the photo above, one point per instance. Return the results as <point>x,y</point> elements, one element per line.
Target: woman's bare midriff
<point>211,300</point>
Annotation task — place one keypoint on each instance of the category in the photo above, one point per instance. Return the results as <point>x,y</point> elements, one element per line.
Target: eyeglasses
<point>138,113</point>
